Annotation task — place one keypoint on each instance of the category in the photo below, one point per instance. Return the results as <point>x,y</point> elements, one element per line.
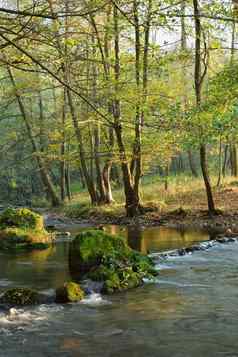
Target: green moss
<point>20,239</point>
<point>20,296</point>
<point>102,257</point>
<point>22,229</point>
<point>121,279</point>
<point>92,244</point>
<point>21,218</point>
<point>70,292</point>
<point>112,282</point>
<point>142,264</point>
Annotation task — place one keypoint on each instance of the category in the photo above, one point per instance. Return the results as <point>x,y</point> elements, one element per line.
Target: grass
<point>183,191</point>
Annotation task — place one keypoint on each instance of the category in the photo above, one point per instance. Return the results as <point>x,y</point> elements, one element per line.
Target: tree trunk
<point>62,173</point>
<point>192,164</point>
<point>67,182</point>
<point>96,131</point>
<point>82,181</point>
<point>198,79</point>
<point>63,145</point>
<point>106,178</point>
<point>225,161</point>
<point>107,170</point>
<point>132,198</point>
<point>233,160</point>
<point>115,174</point>
<point>220,163</point>
<point>233,151</point>
<point>203,159</point>
<point>184,79</point>
<point>103,176</point>
<point>99,175</point>
<point>88,180</point>
<point>132,206</point>
<point>166,175</point>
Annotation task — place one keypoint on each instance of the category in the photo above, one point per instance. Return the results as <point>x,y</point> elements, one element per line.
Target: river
<point>189,311</point>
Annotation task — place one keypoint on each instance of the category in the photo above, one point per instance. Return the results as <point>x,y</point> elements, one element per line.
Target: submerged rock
<point>20,297</point>
<point>104,258</point>
<point>22,229</point>
<point>69,292</point>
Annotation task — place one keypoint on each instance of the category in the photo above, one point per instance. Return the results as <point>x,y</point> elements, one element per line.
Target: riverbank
<point>183,205</point>
<point>180,219</point>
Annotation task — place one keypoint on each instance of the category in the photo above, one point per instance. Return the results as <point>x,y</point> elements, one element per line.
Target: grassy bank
<point>183,192</point>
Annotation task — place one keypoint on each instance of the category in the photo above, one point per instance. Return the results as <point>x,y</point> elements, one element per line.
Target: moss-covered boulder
<point>69,292</point>
<point>22,229</point>
<point>102,257</point>
<point>20,297</point>
<point>21,218</point>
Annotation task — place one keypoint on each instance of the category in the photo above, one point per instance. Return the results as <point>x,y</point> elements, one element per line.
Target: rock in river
<point>22,229</point>
<point>69,292</point>
<point>106,258</point>
<point>20,297</point>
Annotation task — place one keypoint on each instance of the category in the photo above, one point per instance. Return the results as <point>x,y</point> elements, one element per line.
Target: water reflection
<point>39,269</point>
<point>152,239</point>
<point>157,239</point>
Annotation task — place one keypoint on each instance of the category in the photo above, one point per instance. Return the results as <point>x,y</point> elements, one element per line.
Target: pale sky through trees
<point>168,39</point>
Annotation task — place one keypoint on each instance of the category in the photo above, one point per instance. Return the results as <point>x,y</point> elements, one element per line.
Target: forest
<point>117,104</point>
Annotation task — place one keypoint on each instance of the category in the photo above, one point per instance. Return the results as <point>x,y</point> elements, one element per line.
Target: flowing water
<point>190,311</point>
